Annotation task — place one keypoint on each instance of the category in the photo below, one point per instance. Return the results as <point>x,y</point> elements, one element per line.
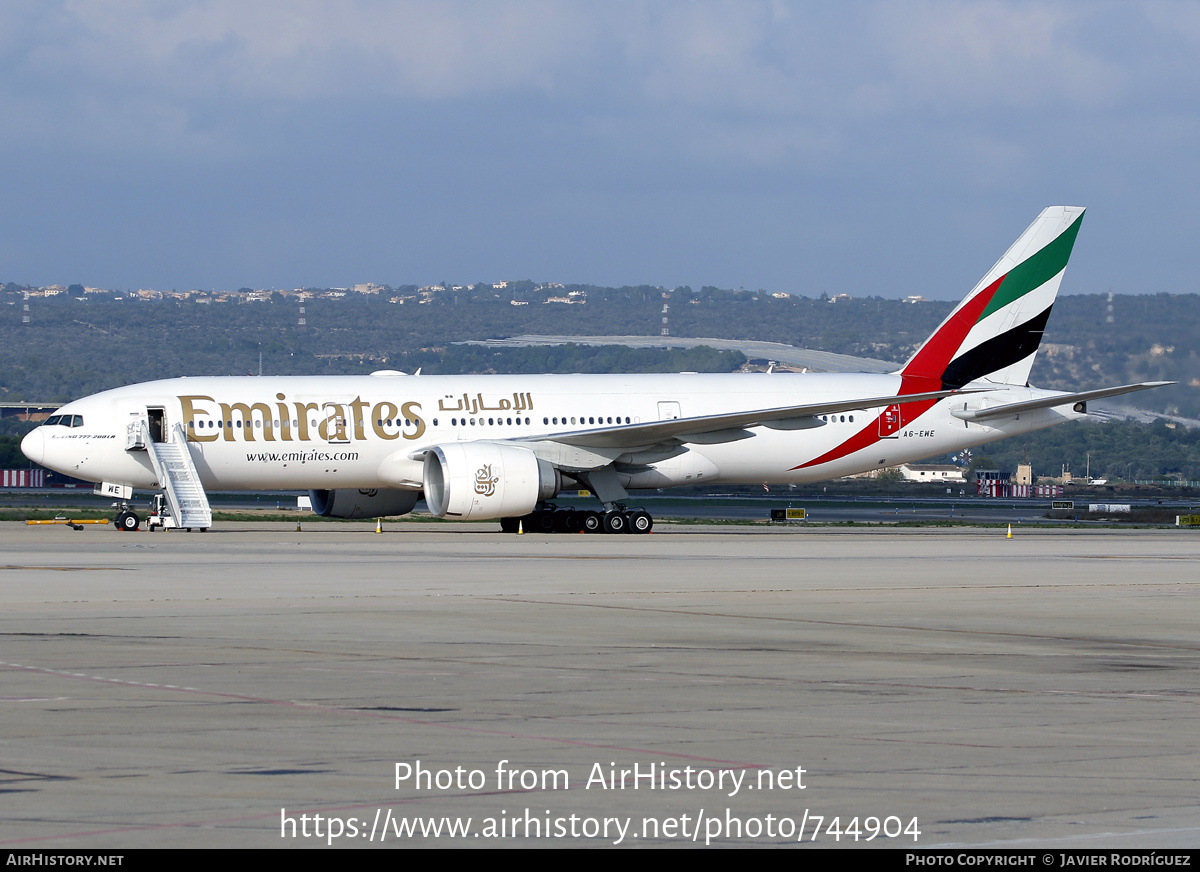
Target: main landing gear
<point>552,519</point>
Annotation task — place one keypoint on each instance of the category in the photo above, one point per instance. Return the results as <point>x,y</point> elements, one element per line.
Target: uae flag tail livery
<point>986,348</point>
<point>994,333</point>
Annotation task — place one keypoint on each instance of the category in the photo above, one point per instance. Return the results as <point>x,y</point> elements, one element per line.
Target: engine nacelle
<point>365,503</point>
<point>481,480</point>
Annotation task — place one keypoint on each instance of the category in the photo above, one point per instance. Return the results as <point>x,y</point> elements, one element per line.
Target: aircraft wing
<point>1049,402</point>
<point>710,429</point>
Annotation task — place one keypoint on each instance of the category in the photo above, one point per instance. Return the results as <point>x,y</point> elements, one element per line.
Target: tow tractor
<point>160,517</point>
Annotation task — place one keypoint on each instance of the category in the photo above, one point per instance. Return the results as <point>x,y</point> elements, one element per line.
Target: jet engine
<point>481,480</point>
<point>365,503</point>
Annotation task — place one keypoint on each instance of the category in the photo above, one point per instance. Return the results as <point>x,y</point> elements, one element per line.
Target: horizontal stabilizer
<point>1049,402</point>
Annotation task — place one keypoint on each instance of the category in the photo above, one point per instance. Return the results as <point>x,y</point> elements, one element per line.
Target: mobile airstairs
<point>177,476</point>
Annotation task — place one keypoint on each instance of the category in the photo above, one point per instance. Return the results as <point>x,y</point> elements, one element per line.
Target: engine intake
<point>482,480</point>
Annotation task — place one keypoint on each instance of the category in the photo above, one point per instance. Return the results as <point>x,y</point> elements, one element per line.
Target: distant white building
<point>932,472</point>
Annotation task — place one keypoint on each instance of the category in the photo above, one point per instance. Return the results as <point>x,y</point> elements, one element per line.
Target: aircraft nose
<point>33,445</point>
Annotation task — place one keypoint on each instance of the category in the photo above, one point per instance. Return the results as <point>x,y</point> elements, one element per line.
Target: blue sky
<point>885,148</point>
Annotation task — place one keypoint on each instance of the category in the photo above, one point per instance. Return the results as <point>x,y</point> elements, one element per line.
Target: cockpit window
<point>65,421</point>
<point>52,420</point>
<point>76,420</point>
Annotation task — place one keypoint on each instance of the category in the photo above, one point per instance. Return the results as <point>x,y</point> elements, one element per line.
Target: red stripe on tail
<point>939,349</point>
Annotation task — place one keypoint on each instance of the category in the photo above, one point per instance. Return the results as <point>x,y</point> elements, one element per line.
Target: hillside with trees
<point>79,343</point>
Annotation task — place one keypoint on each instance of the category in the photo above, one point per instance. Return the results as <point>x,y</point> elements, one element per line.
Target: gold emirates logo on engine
<point>485,482</point>
<point>206,419</point>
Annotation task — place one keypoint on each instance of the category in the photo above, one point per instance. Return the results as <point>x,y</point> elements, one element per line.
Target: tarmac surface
<point>224,689</point>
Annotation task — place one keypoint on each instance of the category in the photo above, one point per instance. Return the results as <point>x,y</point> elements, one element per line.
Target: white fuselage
<point>328,432</point>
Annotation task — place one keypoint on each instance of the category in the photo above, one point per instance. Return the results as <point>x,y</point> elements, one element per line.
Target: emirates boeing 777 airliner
<point>501,446</point>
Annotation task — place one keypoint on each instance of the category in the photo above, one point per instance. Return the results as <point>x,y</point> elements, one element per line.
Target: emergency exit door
<point>668,411</point>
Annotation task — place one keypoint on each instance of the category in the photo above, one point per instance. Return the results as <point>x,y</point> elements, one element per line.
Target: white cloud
<point>752,56</point>
<point>975,56</point>
<point>297,49</point>
<point>758,80</point>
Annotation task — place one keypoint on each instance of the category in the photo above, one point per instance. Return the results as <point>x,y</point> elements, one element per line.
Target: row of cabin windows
<point>454,422</point>
<point>200,425</point>
<point>583,420</point>
<point>464,422</point>
<point>77,421</point>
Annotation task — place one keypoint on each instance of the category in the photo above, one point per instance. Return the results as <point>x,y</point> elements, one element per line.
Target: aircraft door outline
<point>890,422</point>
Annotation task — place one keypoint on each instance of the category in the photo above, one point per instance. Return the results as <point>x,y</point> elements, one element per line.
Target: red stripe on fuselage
<point>869,434</point>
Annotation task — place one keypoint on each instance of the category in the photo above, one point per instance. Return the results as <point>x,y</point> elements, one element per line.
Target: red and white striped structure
<point>23,478</point>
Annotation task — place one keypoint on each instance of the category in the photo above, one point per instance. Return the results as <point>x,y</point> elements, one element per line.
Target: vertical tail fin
<point>995,331</point>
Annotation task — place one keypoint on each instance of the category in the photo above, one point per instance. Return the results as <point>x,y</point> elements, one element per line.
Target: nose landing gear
<point>127,520</point>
